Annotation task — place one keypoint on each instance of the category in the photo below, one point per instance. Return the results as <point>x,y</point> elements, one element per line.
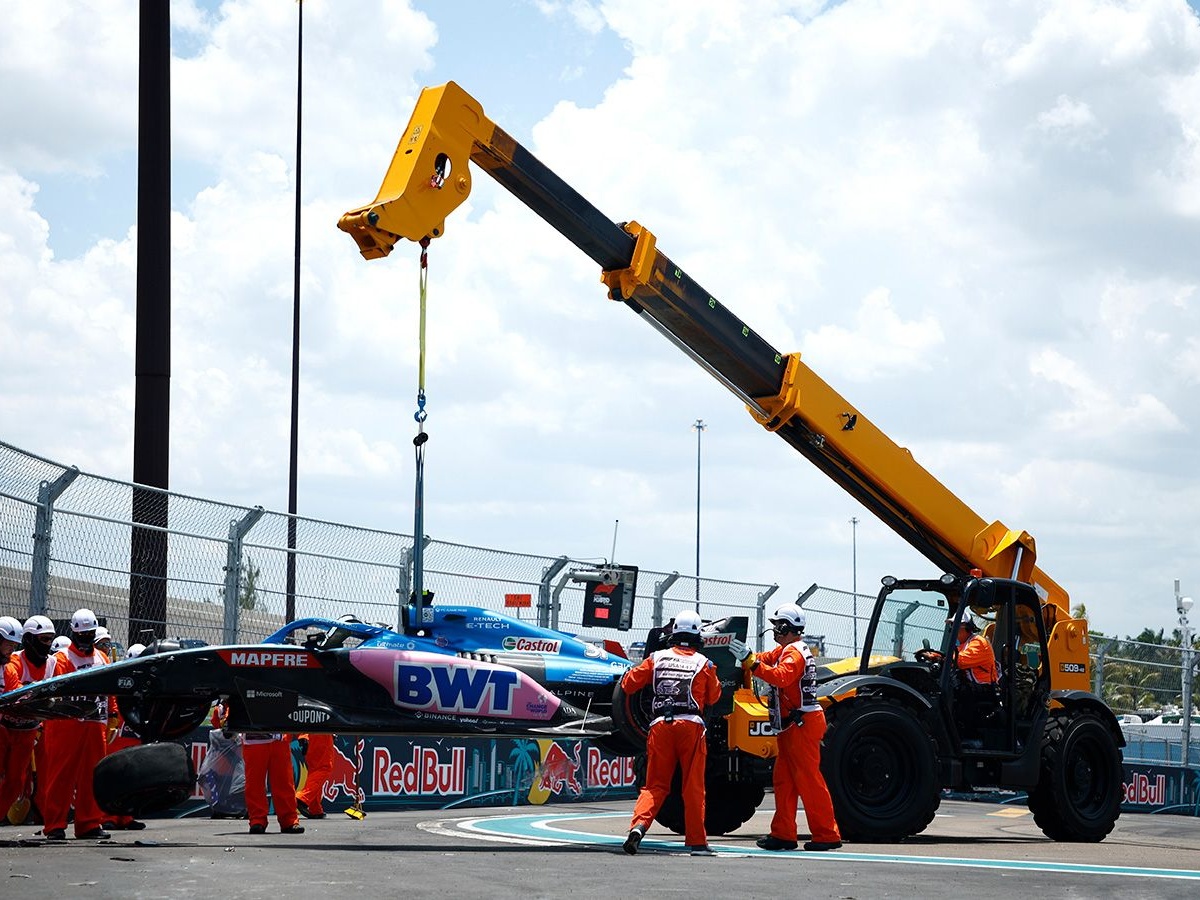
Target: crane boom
<point>429,177</point>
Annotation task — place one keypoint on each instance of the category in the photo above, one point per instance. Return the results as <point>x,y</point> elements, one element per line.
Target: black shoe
<point>302,808</point>
<point>56,834</point>
<point>135,825</point>
<point>773,843</point>
<point>258,829</point>
<point>292,829</point>
<point>94,834</point>
<point>821,845</point>
<point>635,837</point>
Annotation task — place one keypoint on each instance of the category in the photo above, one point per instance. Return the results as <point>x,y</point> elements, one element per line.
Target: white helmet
<point>84,620</point>
<point>135,650</point>
<point>38,625</point>
<point>62,642</point>
<point>11,629</point>
<point>102,634</point>
<point>687,623</point>
<point>791,615</point>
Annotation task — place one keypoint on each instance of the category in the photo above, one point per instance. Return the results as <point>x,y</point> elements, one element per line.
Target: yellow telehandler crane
<point>901,728</point>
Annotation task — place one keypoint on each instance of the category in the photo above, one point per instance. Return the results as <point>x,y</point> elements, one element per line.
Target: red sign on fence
<point>521,601</point>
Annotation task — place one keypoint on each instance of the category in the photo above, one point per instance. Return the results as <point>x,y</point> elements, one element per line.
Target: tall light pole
<point>290,571</point>
<point>1183,606</point>
<point>699,426</point>
<point>854,577</point>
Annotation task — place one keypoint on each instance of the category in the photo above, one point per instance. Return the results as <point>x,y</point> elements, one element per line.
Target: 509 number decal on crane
<point>1076,668</point>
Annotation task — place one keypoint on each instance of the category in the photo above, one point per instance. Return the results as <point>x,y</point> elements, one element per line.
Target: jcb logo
<point>761,729</point>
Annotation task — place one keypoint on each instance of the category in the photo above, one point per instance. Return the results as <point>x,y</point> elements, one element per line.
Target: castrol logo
<point>532,645</point>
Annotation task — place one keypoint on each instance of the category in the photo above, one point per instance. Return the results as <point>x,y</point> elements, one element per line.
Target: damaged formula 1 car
<point>465,672</point>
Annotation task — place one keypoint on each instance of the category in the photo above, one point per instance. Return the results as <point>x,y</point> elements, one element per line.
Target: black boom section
<point>688,312</point>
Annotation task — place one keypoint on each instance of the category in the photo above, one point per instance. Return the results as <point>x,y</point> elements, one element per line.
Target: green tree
<point>248,575</point>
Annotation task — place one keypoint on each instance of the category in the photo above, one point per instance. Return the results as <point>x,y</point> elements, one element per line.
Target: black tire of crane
<point>728,805</point>
<point>881,767</point>
<point>143,779</point>
<point>1079,792</point>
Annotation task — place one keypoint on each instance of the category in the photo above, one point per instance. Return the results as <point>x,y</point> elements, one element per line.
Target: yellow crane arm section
<point>430,176</point>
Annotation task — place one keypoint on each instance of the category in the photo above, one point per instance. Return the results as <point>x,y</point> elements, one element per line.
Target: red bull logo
<point>559,770</point>
<point>609,773</point>
<point>423,775</point>
<point>344,777</point>
<point>1141,791</point>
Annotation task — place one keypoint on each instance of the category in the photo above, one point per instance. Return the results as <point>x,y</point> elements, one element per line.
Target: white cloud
<point>976,221</point>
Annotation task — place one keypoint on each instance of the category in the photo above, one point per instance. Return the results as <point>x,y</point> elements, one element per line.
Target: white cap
<point>687,623</point>
<point>38,625</point>
<point>135,650</point>
<point>102,634</point>
<point>62,642</point>
<point>11,629</point>
<point>84,620</point>
<point>790,614</point>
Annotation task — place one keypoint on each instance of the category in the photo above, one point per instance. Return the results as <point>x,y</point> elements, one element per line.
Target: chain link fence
<point>69,539</point>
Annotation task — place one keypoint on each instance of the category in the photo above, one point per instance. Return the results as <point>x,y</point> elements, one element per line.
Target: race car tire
<point>162,719</point>
<point>728,805</point>
<point>631,716</point>
<point>1078,794</point>
<point>143,779</point>
<point>880,765</point>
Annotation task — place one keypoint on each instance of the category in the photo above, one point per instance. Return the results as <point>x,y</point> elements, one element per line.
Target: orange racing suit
<point>977,661</point>
<point>268,758</point>
<point>18,734</point>
<point>792,674</point>
<point>319,761</point>
<point>73,747</point>
<point>685,685</point>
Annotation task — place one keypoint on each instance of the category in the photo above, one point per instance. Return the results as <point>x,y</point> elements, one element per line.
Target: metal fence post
<point>545,603</point>
<point>1098,668</point>
<point>660,589</point>
<point>761,613</point>
<point>238,529</point>
<point>404,589</point>
<point>39,580</point>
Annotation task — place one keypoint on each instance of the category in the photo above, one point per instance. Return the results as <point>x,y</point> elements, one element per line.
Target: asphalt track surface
<point>972,850</point>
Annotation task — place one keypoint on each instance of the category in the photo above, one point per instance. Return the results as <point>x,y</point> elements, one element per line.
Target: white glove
<point>739,650</point>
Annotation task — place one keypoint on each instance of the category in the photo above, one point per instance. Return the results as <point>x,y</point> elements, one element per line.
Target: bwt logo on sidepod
<point>454,688</point>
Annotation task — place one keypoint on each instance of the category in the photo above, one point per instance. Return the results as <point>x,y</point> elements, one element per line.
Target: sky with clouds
<point>978,222</point>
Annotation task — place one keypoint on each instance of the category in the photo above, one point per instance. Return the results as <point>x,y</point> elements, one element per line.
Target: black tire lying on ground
<point>143,779</point>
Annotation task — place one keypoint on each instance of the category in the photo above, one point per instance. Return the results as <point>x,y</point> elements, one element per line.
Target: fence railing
<point>70,539</point>
<point>67,539</point>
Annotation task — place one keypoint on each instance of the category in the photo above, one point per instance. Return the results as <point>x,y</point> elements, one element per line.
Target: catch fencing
<point>70,539</point>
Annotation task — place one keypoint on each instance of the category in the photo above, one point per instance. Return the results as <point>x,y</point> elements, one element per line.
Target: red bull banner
<point>393,772</point>
<point>1161,789</point>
